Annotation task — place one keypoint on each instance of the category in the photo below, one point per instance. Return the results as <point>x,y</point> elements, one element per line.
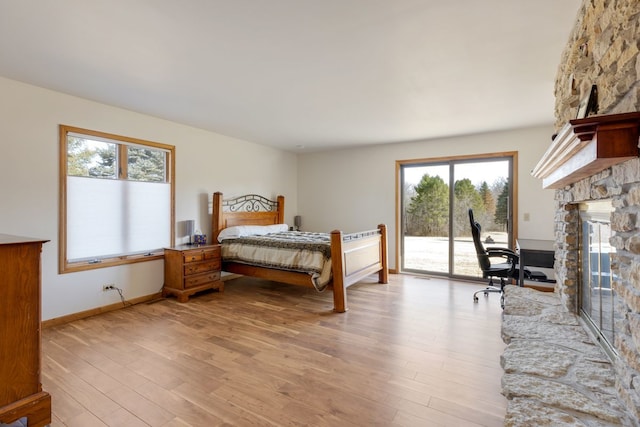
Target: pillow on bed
<point>250,230</point>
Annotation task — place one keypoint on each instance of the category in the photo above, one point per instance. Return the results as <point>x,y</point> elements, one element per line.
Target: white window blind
<point>113,217</point>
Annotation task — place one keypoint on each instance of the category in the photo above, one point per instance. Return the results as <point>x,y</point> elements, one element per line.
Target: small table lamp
<point>188,229</point>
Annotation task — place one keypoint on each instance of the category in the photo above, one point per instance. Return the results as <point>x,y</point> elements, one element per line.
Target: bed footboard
<point>354,257</point>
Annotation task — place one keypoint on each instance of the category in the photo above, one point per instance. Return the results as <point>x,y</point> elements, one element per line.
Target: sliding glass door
<point>436,197</point>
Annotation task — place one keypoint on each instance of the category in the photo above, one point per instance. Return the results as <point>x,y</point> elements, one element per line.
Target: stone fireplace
<point>620,184</point>
<point>603,50</point>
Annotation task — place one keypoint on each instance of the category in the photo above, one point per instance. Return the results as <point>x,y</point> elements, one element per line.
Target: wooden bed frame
<point>353,256</point>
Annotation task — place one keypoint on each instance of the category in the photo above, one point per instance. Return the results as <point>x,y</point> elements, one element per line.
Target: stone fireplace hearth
<point>554,374</point>
<point>567,365</point>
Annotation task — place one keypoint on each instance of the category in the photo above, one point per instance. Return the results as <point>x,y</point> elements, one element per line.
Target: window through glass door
<point>435,200</point>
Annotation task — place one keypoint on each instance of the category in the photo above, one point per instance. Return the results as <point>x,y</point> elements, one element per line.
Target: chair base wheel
<point>490,289</point>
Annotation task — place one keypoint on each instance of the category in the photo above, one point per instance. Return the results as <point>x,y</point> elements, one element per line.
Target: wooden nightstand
<point>190,269</point>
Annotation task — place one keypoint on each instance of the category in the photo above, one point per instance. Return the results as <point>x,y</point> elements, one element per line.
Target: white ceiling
<point>290,73</point>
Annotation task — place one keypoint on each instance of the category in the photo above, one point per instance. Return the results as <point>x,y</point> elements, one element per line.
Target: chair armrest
<point>498,248</point>
<point>504,253</point>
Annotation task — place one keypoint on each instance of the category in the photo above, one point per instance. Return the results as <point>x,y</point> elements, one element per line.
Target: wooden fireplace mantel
<point>584,147</point>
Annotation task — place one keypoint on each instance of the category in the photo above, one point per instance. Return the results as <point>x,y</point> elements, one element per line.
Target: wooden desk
<point>534,253</point>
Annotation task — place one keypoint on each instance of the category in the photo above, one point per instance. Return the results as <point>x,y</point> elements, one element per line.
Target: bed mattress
<point>303,252</point>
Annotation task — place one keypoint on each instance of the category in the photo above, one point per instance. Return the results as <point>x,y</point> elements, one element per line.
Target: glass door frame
<point>511,156</point>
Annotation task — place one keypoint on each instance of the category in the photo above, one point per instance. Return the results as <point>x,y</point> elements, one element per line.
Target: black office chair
<point>506,269</point>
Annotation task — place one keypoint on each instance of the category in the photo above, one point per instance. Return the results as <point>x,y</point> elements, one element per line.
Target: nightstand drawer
<point>201,267</point>
<point>211,253</point>
<point>201,279</point>
<point>201,254</point>
<point>193,256</point>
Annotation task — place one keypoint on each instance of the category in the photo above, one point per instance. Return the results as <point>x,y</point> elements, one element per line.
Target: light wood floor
<point>415,352</point>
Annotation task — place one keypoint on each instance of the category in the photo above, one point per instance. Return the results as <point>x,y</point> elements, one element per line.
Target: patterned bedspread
<point>299,251</point>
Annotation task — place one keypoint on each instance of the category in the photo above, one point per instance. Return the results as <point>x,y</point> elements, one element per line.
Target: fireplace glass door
<point>597,297</point>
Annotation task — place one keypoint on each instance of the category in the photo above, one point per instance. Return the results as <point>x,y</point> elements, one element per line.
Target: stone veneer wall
<point>603,49</point>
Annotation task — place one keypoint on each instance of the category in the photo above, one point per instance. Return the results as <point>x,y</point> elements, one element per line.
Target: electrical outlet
<point>106,288</point>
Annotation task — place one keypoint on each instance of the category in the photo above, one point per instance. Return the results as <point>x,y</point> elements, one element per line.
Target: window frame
<point>450,162</point>
<point>64,265</point>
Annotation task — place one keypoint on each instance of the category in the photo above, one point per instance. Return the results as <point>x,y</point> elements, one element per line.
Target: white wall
<point>355,189</point>
<point>205,162</point>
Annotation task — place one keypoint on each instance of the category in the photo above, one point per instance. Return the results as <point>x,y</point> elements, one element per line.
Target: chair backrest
<point>483,258</point>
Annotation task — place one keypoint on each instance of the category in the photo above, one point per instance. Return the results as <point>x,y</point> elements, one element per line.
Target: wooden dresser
<point>21,394</point>
<point>190,269</point>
